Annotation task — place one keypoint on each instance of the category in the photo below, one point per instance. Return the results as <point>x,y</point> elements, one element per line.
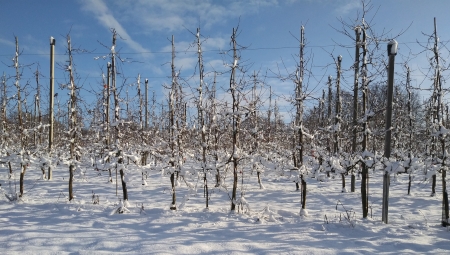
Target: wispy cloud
<point>347,6</point>
<point>104,15</point>
<point>7,42</point>
<point>174,15</point>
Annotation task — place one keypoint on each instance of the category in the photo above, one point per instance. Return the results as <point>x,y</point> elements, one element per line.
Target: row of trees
<point>340,134</point>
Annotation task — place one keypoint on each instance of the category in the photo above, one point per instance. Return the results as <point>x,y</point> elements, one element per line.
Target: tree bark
<point>124,186</point>
<point>365,190</point>
<point>71,169</point>
<point>343,181</point>
<point>206,194</point>
<point>303,193</point>
<point>259,180</point>
<point>409,184</point>
<point>22,176</point>
<point>174,197</point>
<point>433,186</point>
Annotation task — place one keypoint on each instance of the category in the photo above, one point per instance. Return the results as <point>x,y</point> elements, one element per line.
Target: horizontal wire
<point>195,51</point>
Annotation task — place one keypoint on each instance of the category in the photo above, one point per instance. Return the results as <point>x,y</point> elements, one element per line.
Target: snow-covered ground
<point>45,222</point>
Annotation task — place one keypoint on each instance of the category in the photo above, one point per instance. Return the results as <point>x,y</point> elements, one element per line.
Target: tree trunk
<point>235,181</point>
<point>365,170</point>
<point>43,172</point>
<point>50,172</point>
<point>110,175</point>
<point>10,170</point>
<point>124,186</point>
<point>365,190</point>
<point>259,180</point>
<point>144,158</point>
<point>445,210</point>
<point>22,176</point>
<point>303,193</point>
<point>433,186</point>
<point>235,118</point>
<point>71,169</point>
<point>206,193</point>
<point>217,178</point>
<point>409,184</point>
<point>174,198</point>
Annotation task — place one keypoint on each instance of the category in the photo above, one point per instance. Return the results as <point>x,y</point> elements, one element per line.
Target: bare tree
<point>73,119</point>
<point>173,137</point>
<point>235,118</point>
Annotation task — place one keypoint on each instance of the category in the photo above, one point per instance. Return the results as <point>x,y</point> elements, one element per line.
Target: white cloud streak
<point>174,15</point>
<point>7,42</point>
<point>104,15</point>
<point>347,7</point>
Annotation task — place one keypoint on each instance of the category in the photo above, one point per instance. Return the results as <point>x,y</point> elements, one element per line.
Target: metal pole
<point>392,51</point>
<point>52,91</point>
<point>146,104</point>
<point>51,97</point>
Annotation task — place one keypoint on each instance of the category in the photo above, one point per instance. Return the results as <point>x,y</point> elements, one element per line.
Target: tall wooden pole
<point>365,170</point>
<point>146,104</point>
<point>355,88</point>
<point>51,100</point>
<point>439,117</point>
<point>392,51</point>
<point>108,94</point>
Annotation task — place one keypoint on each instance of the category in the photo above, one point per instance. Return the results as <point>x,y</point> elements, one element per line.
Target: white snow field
<point>43,221</point>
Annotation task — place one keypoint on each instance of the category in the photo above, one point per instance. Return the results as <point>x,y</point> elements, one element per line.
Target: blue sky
<point>267,28</point>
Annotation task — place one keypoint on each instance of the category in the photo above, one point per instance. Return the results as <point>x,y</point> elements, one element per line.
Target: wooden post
<point>365,170</point>
<point>355,88</point>
<point>146,104</point>
<point>439,117</point>
<point>392,51</point>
